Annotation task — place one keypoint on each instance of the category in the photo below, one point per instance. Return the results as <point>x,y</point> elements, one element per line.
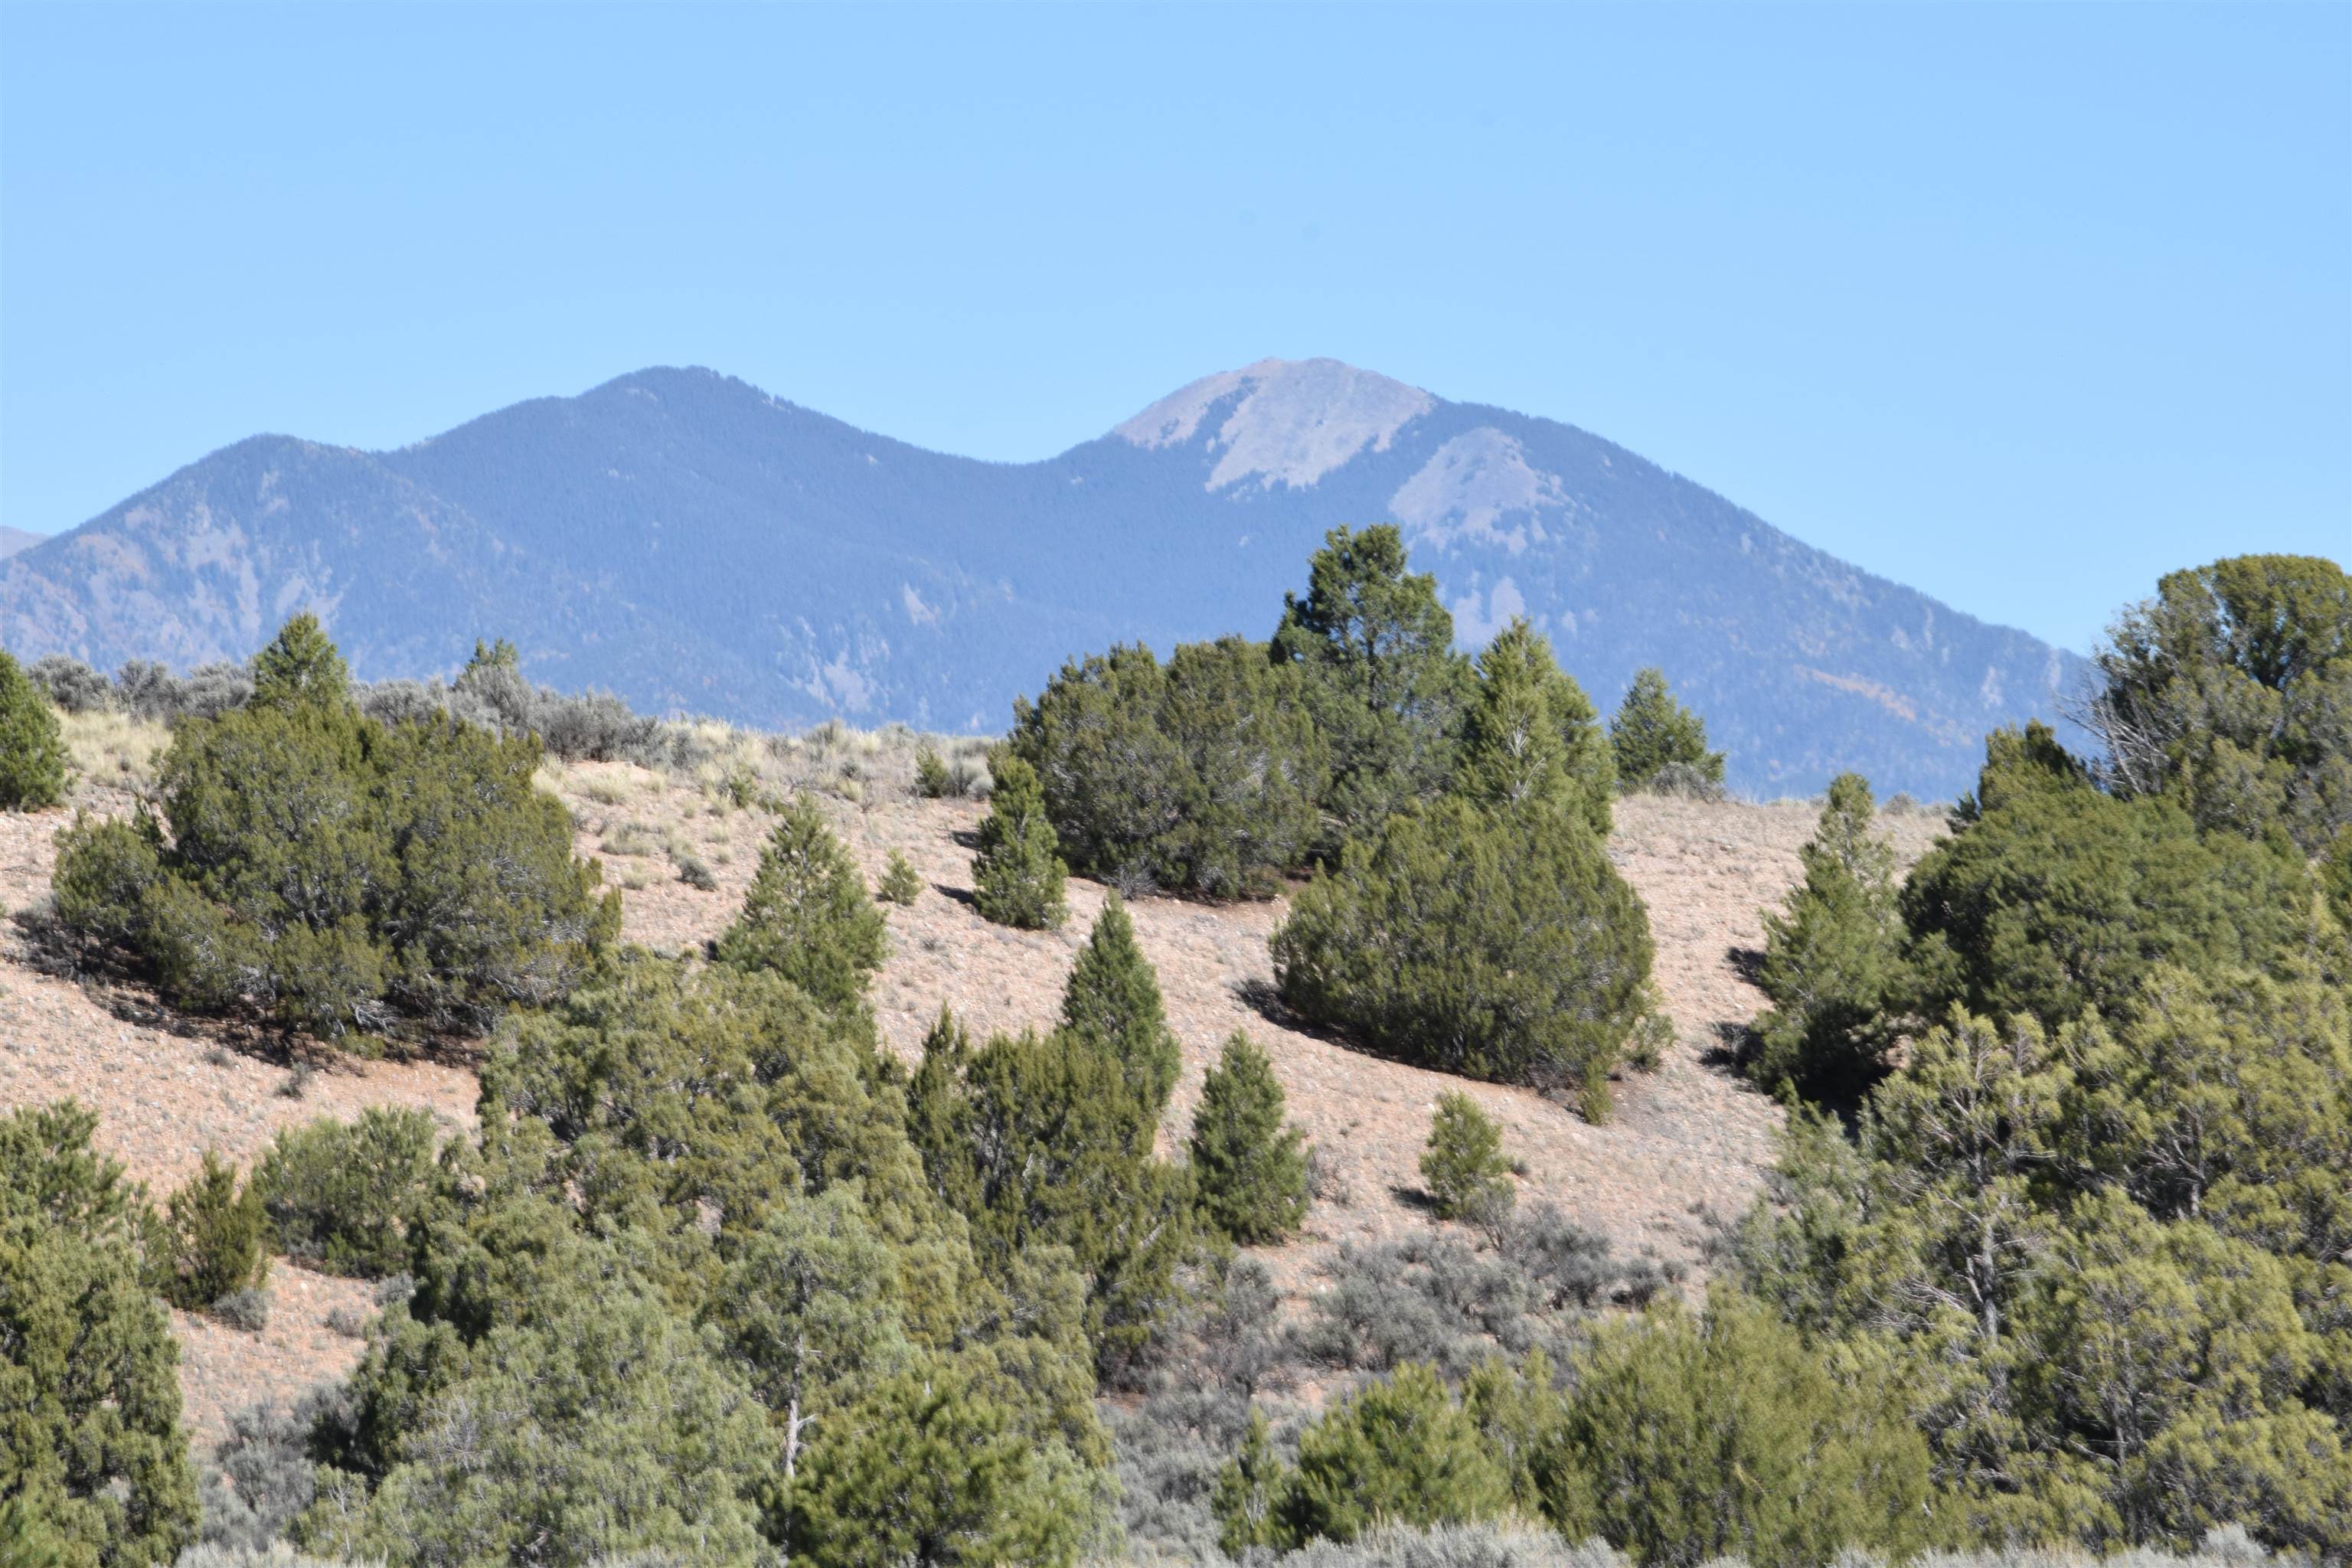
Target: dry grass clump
<point>112,750</point>
<point>728,766</point>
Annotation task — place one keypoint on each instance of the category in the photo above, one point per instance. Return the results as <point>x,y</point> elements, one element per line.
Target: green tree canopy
<point>1652,732</point>
<point>807,916</point>
<point>1464,1168</point>
<point>1018,875</point>
<point>1249,1174</point>
<point>32,752</point>
<point>1383,683</point>
<point>1531,739</point>
<point>1112,1001</point>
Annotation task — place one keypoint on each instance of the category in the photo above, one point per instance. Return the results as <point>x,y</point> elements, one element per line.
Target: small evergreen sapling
<point>1652,732</point>
<point>901,883</point>
<point>1463,1169</point>
<point>1248,1170</point>
<point>215,1232</point>
<point>1112,1001</point>
<point>932,780</point>
<point>1017,875</point>
<point>32,756</point>
<point>807,917</point>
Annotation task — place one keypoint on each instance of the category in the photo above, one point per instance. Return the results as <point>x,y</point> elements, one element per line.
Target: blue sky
<point>2022,305</point>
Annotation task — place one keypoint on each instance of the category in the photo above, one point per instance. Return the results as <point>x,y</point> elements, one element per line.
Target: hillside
<point>1687,1138</point>
<point>697,545</point>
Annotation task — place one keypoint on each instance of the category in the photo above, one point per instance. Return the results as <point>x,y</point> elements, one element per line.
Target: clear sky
<point>2023,305</point>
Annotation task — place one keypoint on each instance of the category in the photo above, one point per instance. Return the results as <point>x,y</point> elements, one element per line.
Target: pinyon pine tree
<point>1017,877</point>
<point>1652,732</point>
<point>807,916</point>
<point>1832,961</point>
<point>1248,1171</point>
<point>900,884</point>
<point>1532,740</point>
<point>1112,1001</point>
<point>32,757</point>
<point>1464,1168</point>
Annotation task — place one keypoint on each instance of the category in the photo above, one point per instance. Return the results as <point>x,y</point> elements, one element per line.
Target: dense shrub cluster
<point>311,864</point>
<point>32,754</point>
<point>345,1197</point>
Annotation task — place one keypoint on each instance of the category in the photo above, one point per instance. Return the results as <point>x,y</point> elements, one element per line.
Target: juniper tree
<point>807,917</point>
<point>32,753</point>
<point>1249,1173</point>
<point>92,1453</point>
<point>1018,874</point>
<point>1833,960</point>
<point>216,1229</point>
<point>932,780</point>
<point>300,668</point>
<point>1112,1001</point>
<point>1462,1169</point>
<point>1651,732</point>
<point>1531,741</point>
<point>1383,683</point>
<point>1495,945</point>
<point>902,884</point>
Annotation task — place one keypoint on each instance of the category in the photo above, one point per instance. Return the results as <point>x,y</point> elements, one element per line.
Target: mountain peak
<point>1287,422</point>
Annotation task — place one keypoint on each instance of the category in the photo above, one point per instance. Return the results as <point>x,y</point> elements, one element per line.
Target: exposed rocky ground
<point>1687,1138</point>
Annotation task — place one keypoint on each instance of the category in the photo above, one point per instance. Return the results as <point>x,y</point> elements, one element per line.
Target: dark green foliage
<point>1041,1142</point>
<point>336,874</point>
<point>1201,776</point>
<point>1112,1001</point>
<point>32,753</point>
<point>807,917</point>
<point>1462,1169</point>
<point>931,1474</point>
<point>2054,898</point>
<point>2336,878</point>
<point>902,884</point>
<point>1531,740</point>
<point>1652,733</point>
<point>1501,946</point>
<point>932,780</point>
<point>1398,1451</point>
<point>215,1229</point>
<point>1690,1439</point>
<point>301,669</point>
<point>1017,877</point>
<point>343,1196</point>
<point>1249,1174</point>
<point>92,1456</point>
<point>1381,679</point>
<point>1833,960</point>
<point>2232,691</point>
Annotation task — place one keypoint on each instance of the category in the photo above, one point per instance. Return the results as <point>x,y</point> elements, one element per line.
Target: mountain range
<point>694,545</point>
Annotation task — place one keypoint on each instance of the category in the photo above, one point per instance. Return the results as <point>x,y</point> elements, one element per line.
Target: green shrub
<point>1395,1452</point>
<point>807,916</point>
<point>1832,961</point>
<point>1495,945</point>
<point>1531,740</point>
<point>215,1230</point>
<point>92,1456</point>
<point>1112,1000</point>
<point>902,884</point>
<point>1463,1169</point>
<point>1692,1438</point>
<point>1201,776</point>
<point>2055,897</point>
<point>1249,1174</point>
<point>1379,678</point>
<point>1017,875</point>
<point>932,780</point>
<point>1651,732</point>
<point>313,865</point>
<point>32,752</point>
<point>343,1196</point>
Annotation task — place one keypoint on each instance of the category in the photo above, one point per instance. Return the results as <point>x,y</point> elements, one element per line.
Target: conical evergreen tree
<point>300,668</point>
<point>1017,877</point>
<point>1249,1173</point>
<point>1112,1000</point>
<point>1464,1168</point>
<point>32,754</point>
<point>807,917</point>
<point>1652,732</point>
<point>902,884</point>
<point>1832,961</point>
<point>1532,739</point>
